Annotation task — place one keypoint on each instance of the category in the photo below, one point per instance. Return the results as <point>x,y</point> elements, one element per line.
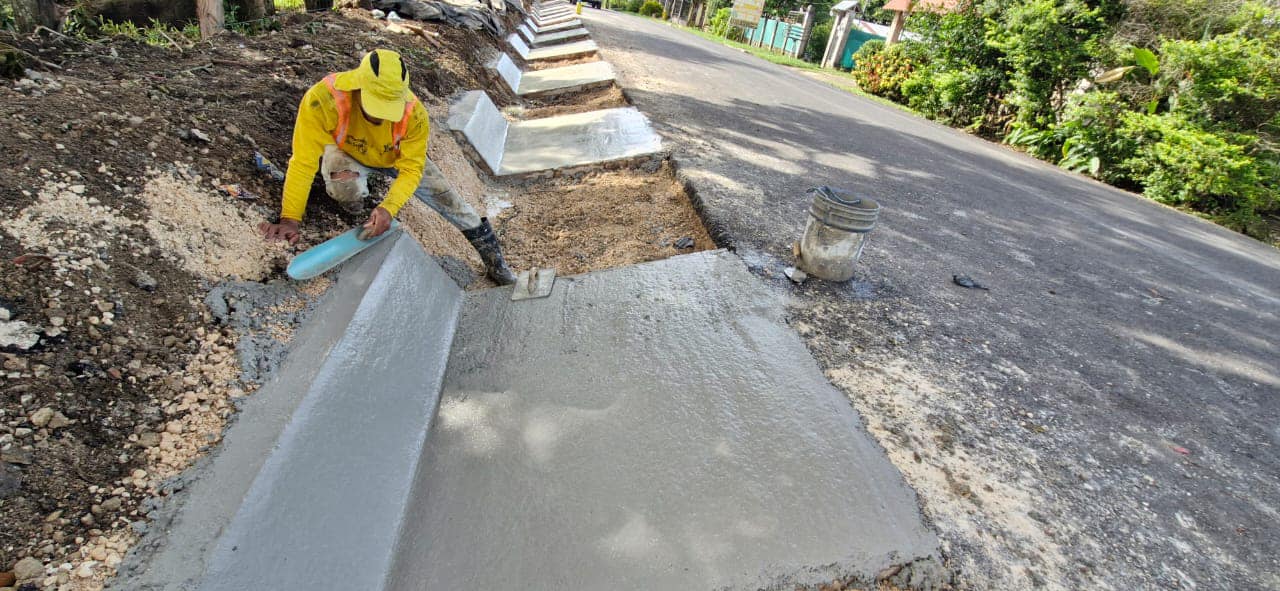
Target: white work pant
<point>433,190</point>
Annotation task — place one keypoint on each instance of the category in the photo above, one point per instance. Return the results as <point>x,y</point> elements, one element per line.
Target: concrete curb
<point>285,503</point>
<point>553,52</point>
<point>552,38</point>
<point>539,30</point>
<point>593,138</point>
<point>552,81</point>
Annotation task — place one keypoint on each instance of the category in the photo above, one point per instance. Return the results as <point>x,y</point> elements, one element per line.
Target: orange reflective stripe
<point>401,127</point>
<point>342,100</point>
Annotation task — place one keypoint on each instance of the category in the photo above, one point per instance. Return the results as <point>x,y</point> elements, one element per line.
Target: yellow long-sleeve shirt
<point>369,144</point>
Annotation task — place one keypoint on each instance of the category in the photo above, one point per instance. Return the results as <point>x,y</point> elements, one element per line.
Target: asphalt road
<point>1106,416</point>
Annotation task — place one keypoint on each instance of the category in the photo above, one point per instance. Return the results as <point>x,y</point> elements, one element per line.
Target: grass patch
<point>760,52</point>
<point>290,4</point>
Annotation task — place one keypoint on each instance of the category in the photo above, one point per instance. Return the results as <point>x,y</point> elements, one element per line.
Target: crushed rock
<point>210,236</point>
<point>264,315</point>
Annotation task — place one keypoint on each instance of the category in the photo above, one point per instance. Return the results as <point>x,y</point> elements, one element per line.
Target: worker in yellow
<point>367,120</point>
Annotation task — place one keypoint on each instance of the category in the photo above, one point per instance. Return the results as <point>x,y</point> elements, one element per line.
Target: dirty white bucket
<point>835,233</point>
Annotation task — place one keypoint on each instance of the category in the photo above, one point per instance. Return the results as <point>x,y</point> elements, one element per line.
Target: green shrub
<point>817,46</point>
<point>1044,46</point>
<point>8,21</point>
<point>650,8</point>
<point>1179,164</point>
<point>1091,137</point>
<point>1228,81</point>
<point>965,78</point>
<point>882,72</point>
<point>868,49</point>
<point>632,5</point>
<point>719,23</point>
<point>1188,110</point>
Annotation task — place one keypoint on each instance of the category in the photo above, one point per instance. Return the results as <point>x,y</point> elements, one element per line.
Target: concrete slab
<point>553,52</point>
<point>522,147</point>
<point>650,427</point>
<point>547,8</point>
<point>552,20</point>
<point>552,9</point>
<point>551,14</point>
<point>288,501</point>
<point>553,80</point>
<point>560,26</point>
<point>537,40</point>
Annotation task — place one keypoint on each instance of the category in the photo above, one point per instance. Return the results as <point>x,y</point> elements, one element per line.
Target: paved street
<point>1106,416</point>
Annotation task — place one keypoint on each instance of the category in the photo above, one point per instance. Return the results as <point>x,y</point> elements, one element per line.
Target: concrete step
<point>551,52</point>
<point>544,21</point>
<point>552,81</point>
<point>552,28</point>
<point>553,143</point>
<point>552,38</point>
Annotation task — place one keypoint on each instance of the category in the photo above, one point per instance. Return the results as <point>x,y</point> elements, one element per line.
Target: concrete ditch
<point>552,81</point>
<point>541,39</point>
<point>540,29</point>
<point>566,142</point>
<point>553,19</point>
<point>551,52</point>
<point>652,426</point>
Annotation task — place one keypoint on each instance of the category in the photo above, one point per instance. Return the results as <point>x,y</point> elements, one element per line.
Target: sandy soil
<point>548,64</point>
<point>578,102</point>
<point>604,220</point>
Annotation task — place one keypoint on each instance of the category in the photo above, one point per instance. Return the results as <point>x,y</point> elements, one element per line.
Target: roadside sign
<point>747,13</point>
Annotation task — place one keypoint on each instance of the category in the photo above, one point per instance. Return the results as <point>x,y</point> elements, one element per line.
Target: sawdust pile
<point>207,235</point>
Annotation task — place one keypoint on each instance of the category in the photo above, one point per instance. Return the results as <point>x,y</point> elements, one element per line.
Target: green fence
<point>856,39</point>
<point>776,35</point>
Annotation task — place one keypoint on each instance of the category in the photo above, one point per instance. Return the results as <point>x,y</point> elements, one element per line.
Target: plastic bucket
<point>835,233</point>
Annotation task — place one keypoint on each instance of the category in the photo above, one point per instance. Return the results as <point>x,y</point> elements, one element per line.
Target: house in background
<point>849,31</point>
<point>903,8</point>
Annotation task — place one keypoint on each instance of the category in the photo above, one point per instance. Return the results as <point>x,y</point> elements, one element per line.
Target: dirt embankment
<point>115,375</point>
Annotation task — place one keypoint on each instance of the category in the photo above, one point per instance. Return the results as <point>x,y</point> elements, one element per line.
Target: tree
<point>29,14</point>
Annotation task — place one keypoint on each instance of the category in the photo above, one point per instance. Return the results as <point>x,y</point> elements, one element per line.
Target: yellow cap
<point>383,82</point>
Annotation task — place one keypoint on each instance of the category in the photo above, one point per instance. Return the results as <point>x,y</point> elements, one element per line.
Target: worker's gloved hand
<point>379,222</point>
<point>285,230</point>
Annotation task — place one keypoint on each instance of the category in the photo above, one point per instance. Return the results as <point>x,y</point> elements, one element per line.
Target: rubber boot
<point>486,243</point>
